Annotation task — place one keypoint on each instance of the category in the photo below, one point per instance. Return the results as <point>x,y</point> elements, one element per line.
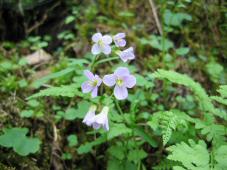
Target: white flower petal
<point>120,93</point>
<point>96,37</point>
<point>95,49</point>
<point>109,80</point>
<point>107,39</point>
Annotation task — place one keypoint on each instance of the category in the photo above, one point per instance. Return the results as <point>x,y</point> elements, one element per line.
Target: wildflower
<point>89,118</point>
<point>94,81</point>
<point>102,44</point>
<point>127,54</point>
<point>119,40</point>
<point>122,80</point>
<point>101,120</point>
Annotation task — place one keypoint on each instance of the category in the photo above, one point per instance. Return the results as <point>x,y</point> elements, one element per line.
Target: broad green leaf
<point>136,155</point>
<point>45,79</point>
<point>17,139</point>
<point>182,51</point>
<point>72,140</point>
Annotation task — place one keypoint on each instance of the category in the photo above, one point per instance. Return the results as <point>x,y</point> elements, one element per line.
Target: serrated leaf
<point>38,83</point>
<point>65,90</point>
<point>182,79</point>
<point>192,156</point>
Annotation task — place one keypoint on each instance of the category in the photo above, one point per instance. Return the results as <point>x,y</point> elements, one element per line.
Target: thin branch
<point>154,11</point>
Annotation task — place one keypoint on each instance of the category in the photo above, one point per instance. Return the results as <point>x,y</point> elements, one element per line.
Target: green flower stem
<point>91,66</point>
<point>118,107</point>
<point>105,60</point>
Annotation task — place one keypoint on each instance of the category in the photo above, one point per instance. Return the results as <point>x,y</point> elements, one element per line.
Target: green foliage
<point>72,140</point>
<point>136,155</point>
<point>194,156</point>
<point>167,122</point>
<point>215,71</point>
<point>197,156</point>
<point>175,19</point>
<point>158,42</point>
<point>17,139</point>
<point>87,147</point>
<point>182,79</point>
<point>220,156</point>
<point>223,95</point>
<point>65,91</point>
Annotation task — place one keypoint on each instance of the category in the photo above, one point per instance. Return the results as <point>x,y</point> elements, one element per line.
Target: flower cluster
<point>97,121</point>
<point>121,79</point>
<point>102,45</point>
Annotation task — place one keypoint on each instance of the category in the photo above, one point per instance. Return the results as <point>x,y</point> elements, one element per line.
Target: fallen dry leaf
<point>38,57</point>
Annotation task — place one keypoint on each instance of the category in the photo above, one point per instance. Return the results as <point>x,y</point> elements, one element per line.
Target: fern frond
<point>182,79</point>
<point>193,156</point>
<point>166,164</point>
<point>223,91</point>
<point>66,91</point>
<point>168,124</point>
<point>219,100</point>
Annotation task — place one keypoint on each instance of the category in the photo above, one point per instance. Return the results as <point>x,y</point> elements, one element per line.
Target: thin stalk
<point>106,60</point>
<point>118,107</point>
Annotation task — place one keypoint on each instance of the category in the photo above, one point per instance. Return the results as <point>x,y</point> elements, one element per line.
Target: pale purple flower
<point>94,81</point>
<point>119,40</point>
<point>102,44</point>
<point>89,117</point>
<point>101,120</point>
<point>122,79</point>
<point>127,54</point>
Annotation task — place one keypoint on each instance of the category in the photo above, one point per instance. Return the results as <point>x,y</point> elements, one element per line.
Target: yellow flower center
<point>100,43</point>
<point>119,82</point>
<point>93,83</point>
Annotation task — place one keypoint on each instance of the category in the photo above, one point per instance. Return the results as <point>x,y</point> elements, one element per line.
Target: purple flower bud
<point>122,79</point>
<point>101,120</point>
<point>89,118</point>
<point>119,40</point>
<point>127,54</point>
<point>102,44</point>
<point>94,81</point>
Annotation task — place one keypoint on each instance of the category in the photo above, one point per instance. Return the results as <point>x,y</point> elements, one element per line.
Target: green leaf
<point>118,129</point>
<point>215,70</point>
<point>193,156</point>
<point>140,132</point>
<point>45,79</point>
<point>117,152</point>
<point>33,103</point>
<point>175,19</point>
<point>220,156</point>
<point>87,147</point>
<point>223,91</point>
<point>27,113</point>
<point>202,97</point>
<point>69,19</point>
<point>17,139</point>
<point>70,114</point>
<point>65,90</point>
<point>72,140</point>
<point>158,42</point>
<point>136,155</point>
<point>182,51</point>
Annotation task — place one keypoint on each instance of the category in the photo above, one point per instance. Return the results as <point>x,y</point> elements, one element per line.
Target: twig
<point>44,18</point>
<point>154,11</point>
<point>37,24</point>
